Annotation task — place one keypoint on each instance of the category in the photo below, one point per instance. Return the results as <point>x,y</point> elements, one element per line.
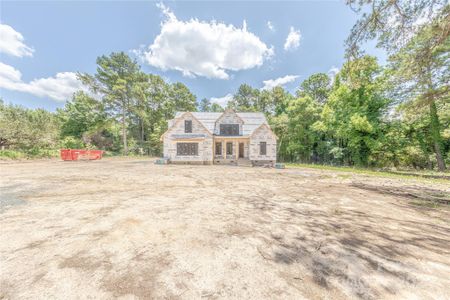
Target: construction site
<point>128,228</point>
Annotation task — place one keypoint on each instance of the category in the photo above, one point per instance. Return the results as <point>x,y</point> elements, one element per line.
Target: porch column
<point>237,149</point>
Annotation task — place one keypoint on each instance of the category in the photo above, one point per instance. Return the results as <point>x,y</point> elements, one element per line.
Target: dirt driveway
<point>128,228</point>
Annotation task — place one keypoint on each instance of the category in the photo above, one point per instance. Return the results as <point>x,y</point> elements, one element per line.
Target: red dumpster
<point>80,154</point>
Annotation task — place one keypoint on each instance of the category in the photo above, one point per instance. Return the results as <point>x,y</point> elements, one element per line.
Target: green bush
<point>42,153</point>
<point>12,154</point>
<point>31,153</point>
<point>70,142</point>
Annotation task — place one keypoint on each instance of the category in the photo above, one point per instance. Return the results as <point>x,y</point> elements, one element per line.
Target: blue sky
<point>212,47</point>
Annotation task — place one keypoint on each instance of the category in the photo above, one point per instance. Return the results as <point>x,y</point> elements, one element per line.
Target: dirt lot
<point>128,228</point>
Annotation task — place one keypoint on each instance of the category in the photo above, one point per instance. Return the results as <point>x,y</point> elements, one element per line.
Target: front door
<point>241,150</point>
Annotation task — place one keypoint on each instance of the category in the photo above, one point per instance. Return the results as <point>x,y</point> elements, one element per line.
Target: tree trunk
<point>124,132</point>
<point>142,137</point>
<point>436,136</point>
<point>280,156</point>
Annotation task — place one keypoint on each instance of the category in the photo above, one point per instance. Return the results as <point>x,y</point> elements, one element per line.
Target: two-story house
<point>229,137</point>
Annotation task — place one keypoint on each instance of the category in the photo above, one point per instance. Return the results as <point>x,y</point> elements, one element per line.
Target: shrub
<point>12,154</point>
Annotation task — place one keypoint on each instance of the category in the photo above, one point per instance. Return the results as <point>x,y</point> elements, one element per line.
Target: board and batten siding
<point>205,145</point>
<point>263,134</point>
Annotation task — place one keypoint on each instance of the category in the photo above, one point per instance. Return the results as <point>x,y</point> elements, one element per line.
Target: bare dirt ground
<point>126,228</point>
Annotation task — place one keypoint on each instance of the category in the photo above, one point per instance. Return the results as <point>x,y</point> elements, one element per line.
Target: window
<point>219,148</point>
<point>229,129</point>
<point>262,148</point>
<point>187,149</point>
<point>229,148</point>
<point>187,126</point>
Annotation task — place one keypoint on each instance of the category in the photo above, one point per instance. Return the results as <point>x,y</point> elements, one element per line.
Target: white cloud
<point>8,74</point>
<point>199,48</point>
<point>292,40</point>
<point>271,83</point>
<point>332,72</point>
<point>222,101</point>
<point>12,42</point>
<point>60,88</point>
<point>270,26</point>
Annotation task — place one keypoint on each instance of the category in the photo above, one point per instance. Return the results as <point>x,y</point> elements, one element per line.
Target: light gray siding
<point>199,135</point>
<point>263,134</point>
<point>228,118</point>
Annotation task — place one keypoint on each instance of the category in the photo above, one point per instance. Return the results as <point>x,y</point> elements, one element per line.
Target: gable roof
<point>268,127</point>
<point>252,120</point>
<point>177,118</point>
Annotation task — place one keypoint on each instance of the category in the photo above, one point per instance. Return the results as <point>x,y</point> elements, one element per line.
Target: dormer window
<point>229,129</point>
<point>188,126</point>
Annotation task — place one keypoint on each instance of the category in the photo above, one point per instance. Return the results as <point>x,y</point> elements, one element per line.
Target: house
<point>220,138</point>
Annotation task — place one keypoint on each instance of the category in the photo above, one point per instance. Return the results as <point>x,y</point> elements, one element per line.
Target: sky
<point>210,46</point>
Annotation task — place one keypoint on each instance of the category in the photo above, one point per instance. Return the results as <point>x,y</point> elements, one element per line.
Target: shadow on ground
<point>351,250</point>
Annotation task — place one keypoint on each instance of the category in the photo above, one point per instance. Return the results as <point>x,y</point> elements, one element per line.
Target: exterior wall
<point>263,134</point>
<point>206,142</point>
<point>205,145</point>
<point>228,117</point>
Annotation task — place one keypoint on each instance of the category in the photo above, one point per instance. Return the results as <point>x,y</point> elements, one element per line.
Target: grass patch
<point>370,172</point>
<point>427,204</point>
<point>12,154</point>
<point>30,154</point>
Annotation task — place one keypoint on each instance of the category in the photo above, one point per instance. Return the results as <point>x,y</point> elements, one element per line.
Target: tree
<point>391,22</point>
<point>26,129</point>
<point>216,108</point>
<point>245,99</point>
<point>316,86</point>
<point>302,113</point>
<point>182,98</point>
<point>353,115</point>
<point>114,81</point>
<point>416,34</point>
<point>280,100</point>
<point>81,114</point>
<point>204,105</point>
<point>421,70</point>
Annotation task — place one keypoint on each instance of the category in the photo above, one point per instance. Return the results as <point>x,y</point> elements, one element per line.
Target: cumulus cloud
<point>60,87</point>
<point>222,101</point>
<point>209,49</point>
<point>271,83</point>
<point>293,39</point>
<point>270,26</point>
<point>12,42</point>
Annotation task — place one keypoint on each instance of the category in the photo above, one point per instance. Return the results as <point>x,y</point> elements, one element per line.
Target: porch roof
<point>188,136</point>
<point>230,137</point>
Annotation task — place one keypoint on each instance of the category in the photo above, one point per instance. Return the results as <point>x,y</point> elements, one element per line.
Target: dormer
<point>228,124</point>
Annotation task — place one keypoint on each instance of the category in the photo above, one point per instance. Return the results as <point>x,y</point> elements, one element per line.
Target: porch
<point>230,150</point>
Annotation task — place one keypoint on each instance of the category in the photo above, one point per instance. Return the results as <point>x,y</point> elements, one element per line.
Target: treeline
<point>351,119</point>
<point>397,115</point>
<point>125,111</point>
